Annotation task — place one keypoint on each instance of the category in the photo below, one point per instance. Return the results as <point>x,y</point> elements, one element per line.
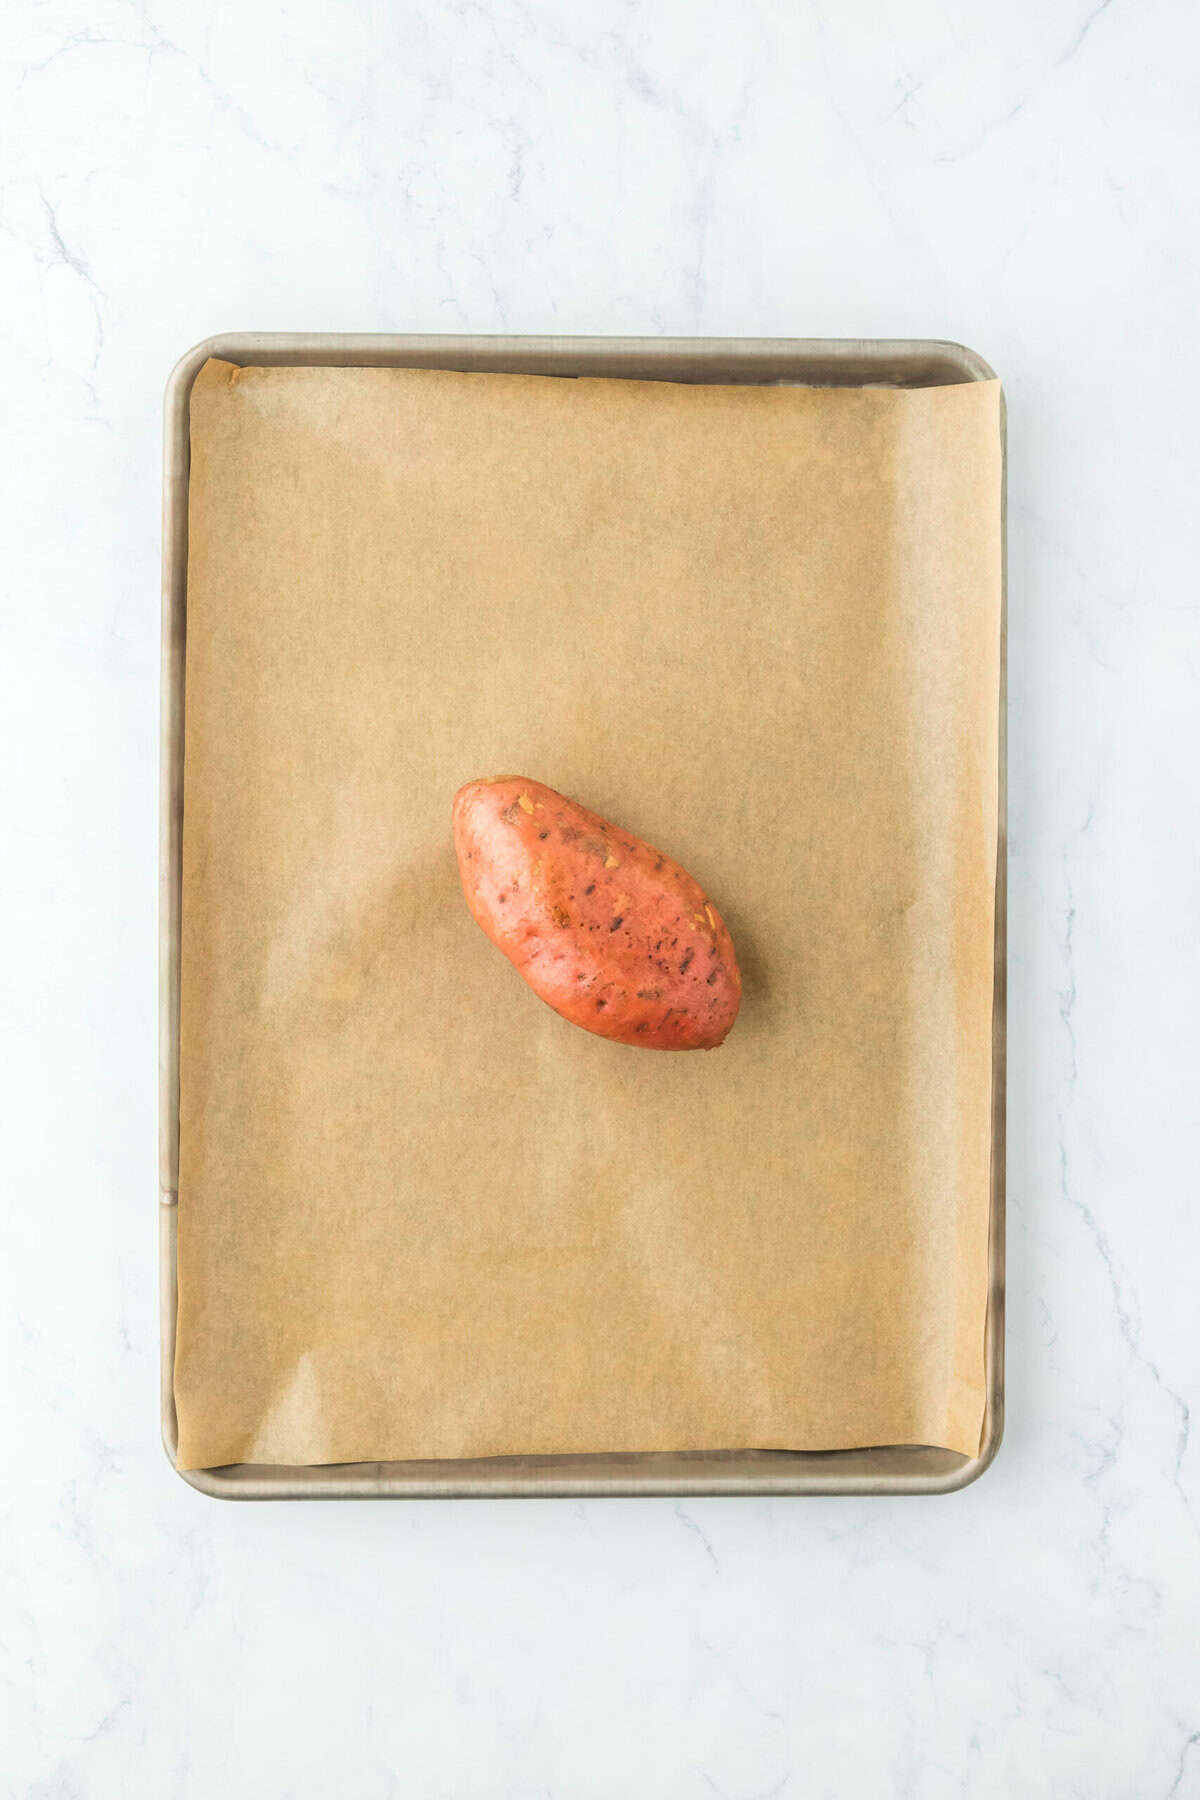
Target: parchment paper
<point>419,1214</point>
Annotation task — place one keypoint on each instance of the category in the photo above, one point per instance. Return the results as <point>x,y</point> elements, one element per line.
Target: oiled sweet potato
<point>609,932</point>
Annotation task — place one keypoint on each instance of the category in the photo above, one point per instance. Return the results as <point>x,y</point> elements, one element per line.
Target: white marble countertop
<point>1010,176</point>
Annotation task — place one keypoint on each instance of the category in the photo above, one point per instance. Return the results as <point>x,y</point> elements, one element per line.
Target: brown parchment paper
<point>419,1214</point>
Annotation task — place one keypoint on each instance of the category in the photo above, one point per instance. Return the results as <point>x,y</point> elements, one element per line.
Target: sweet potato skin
<point>605,929</point>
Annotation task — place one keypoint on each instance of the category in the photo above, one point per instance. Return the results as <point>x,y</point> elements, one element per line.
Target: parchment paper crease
<point>420,1215</point>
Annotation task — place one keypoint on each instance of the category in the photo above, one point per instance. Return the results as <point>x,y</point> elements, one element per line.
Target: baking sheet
<point>819,1212</point>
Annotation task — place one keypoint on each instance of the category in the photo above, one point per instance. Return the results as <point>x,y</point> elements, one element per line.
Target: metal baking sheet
<point>884,1469</point>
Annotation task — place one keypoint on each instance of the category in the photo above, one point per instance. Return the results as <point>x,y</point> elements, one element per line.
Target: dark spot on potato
<point>543,835</point>
<point>600,1005</point>
<point>712,978</point>
<point>642,1026</point>
<point>649,993</point>
<point>579,975</point>
<point>502,898</point>
<point>686,964</point>
<point>617,923</point>
<point>712,949</point>
<point>658,865</point>
<point>590,888</point>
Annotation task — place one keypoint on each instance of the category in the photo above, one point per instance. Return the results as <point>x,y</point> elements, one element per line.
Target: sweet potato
<point>608,931</point>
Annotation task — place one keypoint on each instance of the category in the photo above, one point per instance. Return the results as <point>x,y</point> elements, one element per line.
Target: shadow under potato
<point>757,1008</point>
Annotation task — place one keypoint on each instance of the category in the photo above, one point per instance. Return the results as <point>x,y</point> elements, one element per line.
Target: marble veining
<point>1014,177</point>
